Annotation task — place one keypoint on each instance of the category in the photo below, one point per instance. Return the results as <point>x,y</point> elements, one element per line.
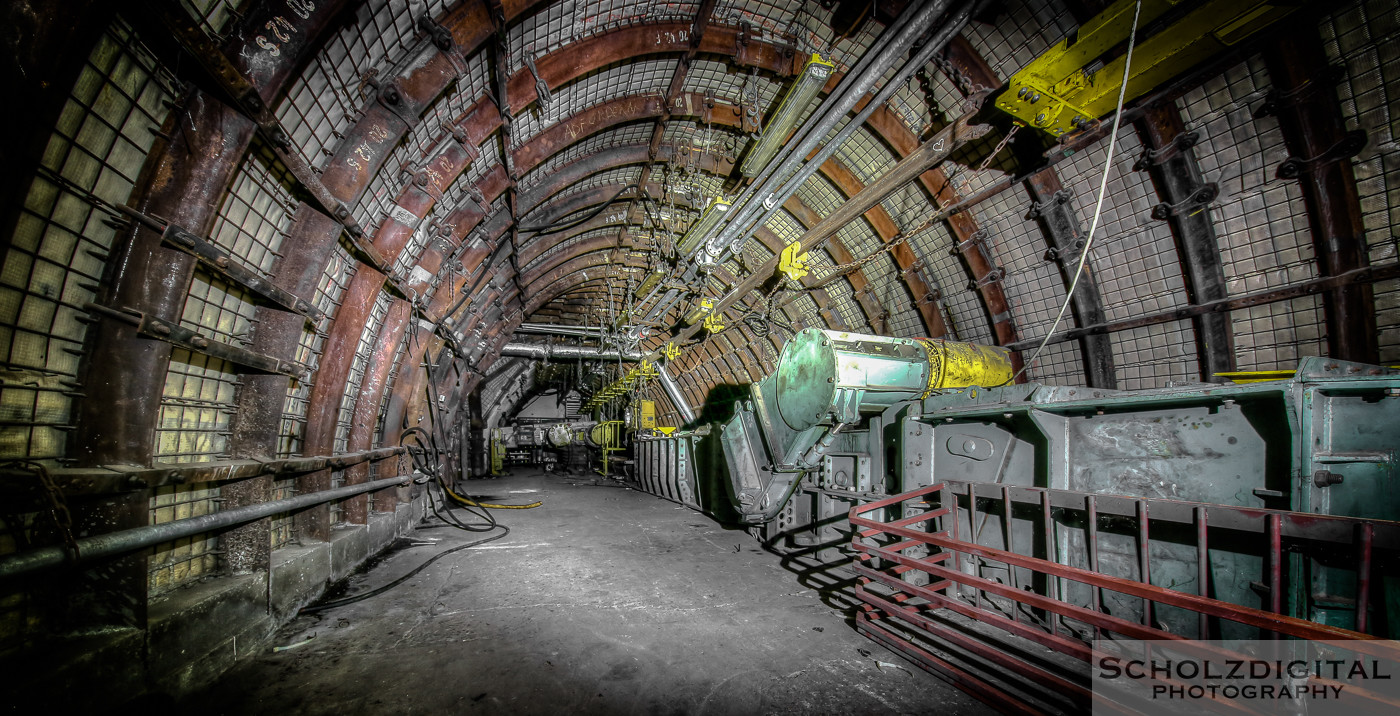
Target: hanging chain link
<point>58,507</point>
<point>1000,146</point>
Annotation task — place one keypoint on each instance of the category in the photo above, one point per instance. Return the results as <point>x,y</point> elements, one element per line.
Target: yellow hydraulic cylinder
<point>959,365</point>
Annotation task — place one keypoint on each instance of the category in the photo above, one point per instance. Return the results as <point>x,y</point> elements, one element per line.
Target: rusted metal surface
<point>218,261</point>
<point>1177,177</point>
<point>183,181</point>
<point>365,418</point>
<point>1311,122</point>
<point>176,335</point>
<point>118,478</point>
<point>273,39</point>
<point>1053,211</point>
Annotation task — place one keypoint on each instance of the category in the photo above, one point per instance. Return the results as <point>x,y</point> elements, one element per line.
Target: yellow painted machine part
<point>1054,90</point>
<point>607,436</point>
<point>959,365</point>
<point>792,264</point>
<point>645,415</point>
<point>498,453</point>
<point>1256,376</point>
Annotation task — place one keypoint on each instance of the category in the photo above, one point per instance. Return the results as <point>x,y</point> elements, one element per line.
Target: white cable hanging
<point>1098,205</point>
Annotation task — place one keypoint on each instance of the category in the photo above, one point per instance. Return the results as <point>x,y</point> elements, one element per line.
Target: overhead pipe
<point>544,351</point>
<point>737,230</point>
<point>673,392</point>
<point>553,330</point>
<point>122,542</point>
<point>769,193</point>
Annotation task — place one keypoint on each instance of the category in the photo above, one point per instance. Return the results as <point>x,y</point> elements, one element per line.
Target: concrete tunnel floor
<point>604,600</point>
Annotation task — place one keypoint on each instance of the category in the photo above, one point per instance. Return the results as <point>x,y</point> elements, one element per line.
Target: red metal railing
<point>924,544</point>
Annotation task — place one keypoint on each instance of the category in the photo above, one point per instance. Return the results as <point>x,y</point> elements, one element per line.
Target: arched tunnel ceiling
<point>628,118</point>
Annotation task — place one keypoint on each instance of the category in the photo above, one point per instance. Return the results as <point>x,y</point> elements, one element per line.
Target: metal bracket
<point>441,36</point>
<point>1152,157</point>
<point>1039,208</point>
<point>1066,255</point>
<point>973,240</point>
<point>1202,196</point>
<point>420,180</point>
<point>393,99</point>
<point>464,140</point>
<point>1347,147</point>
<point>182,337</point>
<point>220,262</point>
<point>541,87</point>
<point>993,276</point>
<point>1275,100</point>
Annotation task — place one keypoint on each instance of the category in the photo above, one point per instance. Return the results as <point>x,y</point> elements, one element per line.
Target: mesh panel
<point>1034,287</point>
<point>646,76</point>
<point>256,211</point>
<point>1135,259</point>
<point>1058,364</point>
<point>176,563</point>
<point>1363,38</point>
<point>56,256</point>
<point>211,16</point>
<point>962,309</point>
<point>328,293</point>
<point>1264,239</point>
<point>1274,336</point>
<point>1156,356</point>
<point>627,135</point>
<point>323,100</point>
<point>1022,31</point>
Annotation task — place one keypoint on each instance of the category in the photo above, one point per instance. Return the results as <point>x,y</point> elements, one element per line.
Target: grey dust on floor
<point>600,601</point>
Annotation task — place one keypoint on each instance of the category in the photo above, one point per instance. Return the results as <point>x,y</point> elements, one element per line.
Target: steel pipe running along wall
<point>124,541</point>
<point>673,392</point>
<point>543,351</point>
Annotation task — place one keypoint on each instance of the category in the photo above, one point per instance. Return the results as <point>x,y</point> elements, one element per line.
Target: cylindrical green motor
<point>825,373</point>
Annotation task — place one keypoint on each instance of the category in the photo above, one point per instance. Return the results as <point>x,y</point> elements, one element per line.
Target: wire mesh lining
<point>211,16</point>
<point>56,256</point>
<point>1134,257</point>
<point>1263,232</point>
<point>1034,287</point>
<point>1362,37</point>
<point>325,98</point>
<point>621,79</point>
<point>911,103</point>
<point>256,211</point>
<point>345,416</point>
<point>962,309</point>
<point>329,289</point>
<point>1275,336</point>
<point>1156,356</point>
<point>1022,31</point>
<point>176,563</point>
<point>1058,364</point>
<point>623,136</point>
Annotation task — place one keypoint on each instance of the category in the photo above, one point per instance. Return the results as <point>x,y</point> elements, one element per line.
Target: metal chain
<point>961,80</point>
<point>1000,146</point>
<point>58,507</point>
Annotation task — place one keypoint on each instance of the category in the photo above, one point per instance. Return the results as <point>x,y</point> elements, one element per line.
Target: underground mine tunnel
<point>699,356</point>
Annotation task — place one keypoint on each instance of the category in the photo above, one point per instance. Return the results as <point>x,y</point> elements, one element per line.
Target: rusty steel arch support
<point>1320,149</point>
<point>1176,177</point>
